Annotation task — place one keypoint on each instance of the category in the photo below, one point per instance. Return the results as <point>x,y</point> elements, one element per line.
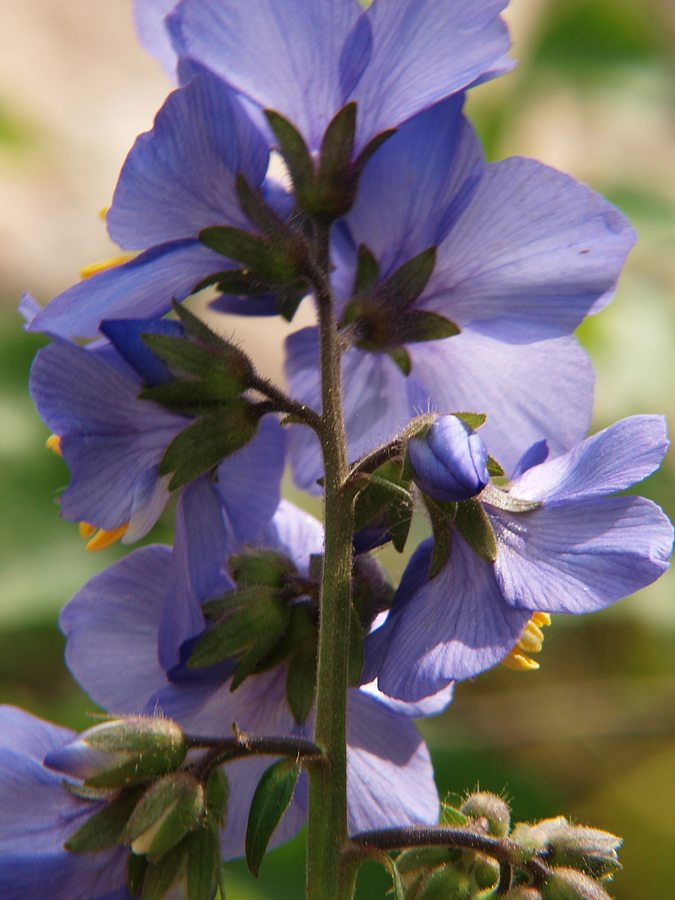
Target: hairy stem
<point>329,877</point>
<point>508,854</point>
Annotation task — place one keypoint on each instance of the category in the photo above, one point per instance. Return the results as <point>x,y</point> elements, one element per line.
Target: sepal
<point>591,850</point>
<point>170,809</point>
<point>105,828</point>
<point>122,752</point>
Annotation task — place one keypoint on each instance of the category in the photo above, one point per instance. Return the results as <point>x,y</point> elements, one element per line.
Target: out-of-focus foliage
<point>592,735</point>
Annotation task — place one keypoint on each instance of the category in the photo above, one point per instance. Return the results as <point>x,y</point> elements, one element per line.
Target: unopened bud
<point>495,810</point>
<point>589,849</point>
<point>446,883</point>
<point>569,884</point>
<point>169,809</point>
<point>122,752</point>
<point>449,462</point>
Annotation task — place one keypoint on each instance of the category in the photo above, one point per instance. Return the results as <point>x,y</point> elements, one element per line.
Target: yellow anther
<point>519,662</point>
<point>103,538</point>
<point>103,212</point>
<point>530,641</point>
<point>86,530</point>
<point>54,444</point>
<point>532,638</point>
<point>104,264</point>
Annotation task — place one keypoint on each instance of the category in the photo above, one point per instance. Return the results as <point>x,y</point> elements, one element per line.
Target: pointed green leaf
<point>371,147</point>
<point>494,468</point>
<point>288,301</point>
<point>233,359</point>
<point>202,446</point>
<point>301,681</point>
<point>258,212</point>
<point>270,261</point>
<point>419,325</point>
<point>160,876</point>
<point>472,420</point>
<point>136,869</point>
<point>268,567</point>
<point>441,525</point>
<point>295,152</point>
<point>217,795</point>
<point>104,828</point>
<point>406,284</point>
<point>170,808</point>
<point>475,528</point>
<point>401,357</point>
<point>202,849</point>
<point>182,356</point>
<point>337,145</point>
<point>270,801</point>
<point>367,271</point>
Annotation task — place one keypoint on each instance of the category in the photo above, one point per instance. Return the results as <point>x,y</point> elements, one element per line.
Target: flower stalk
<point>327,820</point>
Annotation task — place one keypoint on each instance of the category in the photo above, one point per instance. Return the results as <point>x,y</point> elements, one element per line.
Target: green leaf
<point>401,357</point>
<point>301,680</point>
<point>494,468</point>
<point>406,284</point>
<point>217,794</point>
<point>388,498</point>
<point>104,828</point>
<point>273,262</point>
<point>472,420</point>
<point>182,356</point>
<point>202,849</point>
<point>270,801</point>
<point>160,876</point>
<point>367,271</point>
<point>474,526</point>
<point>254,619</point>
<point>136,869</point>
<point>418,326</point>
<point>441,525</point>
<point>202,446</point>
<point>268,567</point>
<point>336,182</point>
<point>371,147</point>
<point>170,808</point>
<point>258,212</point>
<point>295,152</point>
<point>417,858</point>
<point>189,398</point>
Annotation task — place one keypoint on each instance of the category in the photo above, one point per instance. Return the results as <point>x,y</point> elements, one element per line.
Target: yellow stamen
<point>532,638</point>
<point>104,264</point>
<point>86,530</point>
<point>519,662</point>
<point>530,641</point>
<point>103,212</point>
<point>54,444</point>
<point>103,538</point>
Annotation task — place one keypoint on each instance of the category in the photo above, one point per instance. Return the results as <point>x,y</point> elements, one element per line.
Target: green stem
<point>328,876</point>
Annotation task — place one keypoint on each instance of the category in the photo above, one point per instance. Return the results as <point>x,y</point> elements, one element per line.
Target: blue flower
<point>306,59</point>
<point>562,544</point>
<point>523,253</point>
<point>124,674</point>
<point>113,442</point>
<point>449,462</point>
<point>178,178</point>
<point>39,814</point>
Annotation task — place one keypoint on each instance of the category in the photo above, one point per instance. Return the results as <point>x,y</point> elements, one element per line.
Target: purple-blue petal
<point>532,253</point>
<point>390,779</point>
<point>449,462</point>
<point>180,177</point>
<point>580,556</point>
<point>149,19</point>
<point>111,627</point>
<point>125,336</point>
<point>111,441</point>
<point>144,287</point>
<point>450,628</point>
<point>610,461</point>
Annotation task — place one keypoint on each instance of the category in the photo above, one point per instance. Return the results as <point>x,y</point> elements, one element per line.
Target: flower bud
<point>483,805</point>
<point>171,808</point>
<point>589,849</point>
<point>122,752</point>
<point>449,462</point>
<point>568,884</point>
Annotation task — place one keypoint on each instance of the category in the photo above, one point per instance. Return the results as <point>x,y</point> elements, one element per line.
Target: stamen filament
<point>103,538</point>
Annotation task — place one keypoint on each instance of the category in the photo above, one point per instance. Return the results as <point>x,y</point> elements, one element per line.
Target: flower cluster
<point>442,370</point>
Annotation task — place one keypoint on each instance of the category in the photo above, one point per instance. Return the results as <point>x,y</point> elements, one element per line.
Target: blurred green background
<point>591,735</point>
